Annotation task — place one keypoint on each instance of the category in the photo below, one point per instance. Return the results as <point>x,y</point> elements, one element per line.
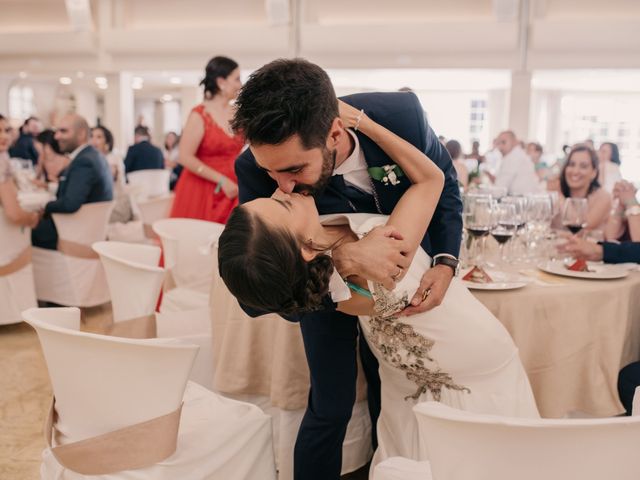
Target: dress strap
<point>206,118</point>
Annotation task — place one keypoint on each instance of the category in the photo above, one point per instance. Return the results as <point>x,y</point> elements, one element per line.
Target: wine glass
<point>574,214</point>
<point>505,225</point>
<point>479,221</point>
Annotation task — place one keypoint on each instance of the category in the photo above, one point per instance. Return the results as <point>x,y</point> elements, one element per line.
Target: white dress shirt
<point>354,168</point>
<point>517,173</point>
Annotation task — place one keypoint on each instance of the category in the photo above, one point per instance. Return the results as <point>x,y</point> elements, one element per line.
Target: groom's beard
<point>328,164</point>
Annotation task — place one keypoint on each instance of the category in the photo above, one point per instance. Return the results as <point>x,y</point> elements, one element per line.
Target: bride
<point>275,256</point>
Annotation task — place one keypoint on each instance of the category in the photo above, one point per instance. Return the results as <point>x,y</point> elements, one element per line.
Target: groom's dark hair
<point>284,98</point>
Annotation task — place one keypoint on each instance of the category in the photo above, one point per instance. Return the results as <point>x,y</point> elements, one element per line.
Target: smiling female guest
<point>579,179</point>
<point>207,188</point>
<point>8,190</point>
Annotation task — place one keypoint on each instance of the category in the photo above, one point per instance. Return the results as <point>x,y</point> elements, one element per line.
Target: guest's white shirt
<point>517,173</point>
<point>75,153</point>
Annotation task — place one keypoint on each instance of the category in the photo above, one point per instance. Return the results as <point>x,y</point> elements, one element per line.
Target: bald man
<point>87,179</point>
<point>517,173</point>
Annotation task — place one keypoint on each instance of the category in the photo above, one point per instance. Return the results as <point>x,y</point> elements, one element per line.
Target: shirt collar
<point>354,160</point>
<point>75,153</point>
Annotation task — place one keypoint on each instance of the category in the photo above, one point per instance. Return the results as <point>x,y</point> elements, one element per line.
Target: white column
<point>519,104</point>
<point>5,84</point>
<point>498,119</point>
<point>157,128</point>
<point>554,136</point>
<point>118,109</point>
<point>189,98</point>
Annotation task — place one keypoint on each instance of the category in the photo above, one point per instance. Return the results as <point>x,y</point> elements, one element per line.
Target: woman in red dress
<point>207,188</point>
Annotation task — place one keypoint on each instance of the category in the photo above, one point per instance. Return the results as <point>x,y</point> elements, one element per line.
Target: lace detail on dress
<point>404,348</point>
<point>5,170</point>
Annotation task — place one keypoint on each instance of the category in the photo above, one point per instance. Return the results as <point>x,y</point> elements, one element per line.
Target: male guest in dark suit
<point>142,155</point>
<point>24,147</point>
<point>288,113</point>
<point>87,179</point>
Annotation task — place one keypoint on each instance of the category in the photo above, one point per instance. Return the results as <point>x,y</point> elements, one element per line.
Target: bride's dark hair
<point>263,267</point>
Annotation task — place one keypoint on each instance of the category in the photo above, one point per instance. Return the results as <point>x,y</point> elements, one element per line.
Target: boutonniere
<point>387,174</point>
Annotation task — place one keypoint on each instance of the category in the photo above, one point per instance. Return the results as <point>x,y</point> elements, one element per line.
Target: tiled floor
<point>25,393</point>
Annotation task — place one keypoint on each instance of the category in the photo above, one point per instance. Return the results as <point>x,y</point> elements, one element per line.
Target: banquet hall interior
<point>123,352</point>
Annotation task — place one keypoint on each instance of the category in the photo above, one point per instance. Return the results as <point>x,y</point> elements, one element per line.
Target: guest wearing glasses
<point>8,190</point>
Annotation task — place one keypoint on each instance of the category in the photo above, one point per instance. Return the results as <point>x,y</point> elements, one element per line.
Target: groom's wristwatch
<point>448,260</point>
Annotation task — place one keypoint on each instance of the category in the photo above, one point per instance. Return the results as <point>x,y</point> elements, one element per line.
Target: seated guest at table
<point>628,381</point>
<point>24,147</point>
<point>455,151</point>
<point>52,160</point>
<point>579,179</point>
<point>86,180</point>
<point>102,140</point>
<point>516,172</point>
<point>8,190</point>
<point>608,252</point>
<point>142,155</point>
<point>624,221</point>
<point>609,165</point>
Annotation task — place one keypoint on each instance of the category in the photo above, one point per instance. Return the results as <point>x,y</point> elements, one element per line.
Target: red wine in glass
<point>502,236</point>
<point>478,231</point>
<point>574,227</point>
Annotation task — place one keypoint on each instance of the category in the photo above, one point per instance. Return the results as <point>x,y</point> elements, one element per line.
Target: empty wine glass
<point>574,214</point>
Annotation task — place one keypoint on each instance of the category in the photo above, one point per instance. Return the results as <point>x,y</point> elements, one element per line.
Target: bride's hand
<point>435,282</point>
<point>377,257</point>
<point>350,115</point>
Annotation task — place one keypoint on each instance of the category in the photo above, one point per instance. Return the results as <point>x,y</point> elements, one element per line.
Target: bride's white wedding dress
<point>457,353</point>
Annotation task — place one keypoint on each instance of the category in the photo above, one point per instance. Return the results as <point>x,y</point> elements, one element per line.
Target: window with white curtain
<point>21,102</point>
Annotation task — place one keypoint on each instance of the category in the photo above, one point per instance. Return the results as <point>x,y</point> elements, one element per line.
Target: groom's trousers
<point>330,342</point>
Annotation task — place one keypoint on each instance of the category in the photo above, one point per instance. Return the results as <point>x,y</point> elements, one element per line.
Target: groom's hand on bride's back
<point>377,257</point>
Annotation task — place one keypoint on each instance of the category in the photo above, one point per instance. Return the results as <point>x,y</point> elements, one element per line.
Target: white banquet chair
<point>17,289</point>
<point>72,275</point>
<point>463,445</point>
<point>635,405</point>
<point>135,281</point>
<point>150,182</point>
<point>106,387</point>
<point>152,210</point>
<point>186,244</point>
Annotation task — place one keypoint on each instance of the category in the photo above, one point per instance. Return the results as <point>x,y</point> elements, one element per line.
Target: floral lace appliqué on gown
<point>404,348</point>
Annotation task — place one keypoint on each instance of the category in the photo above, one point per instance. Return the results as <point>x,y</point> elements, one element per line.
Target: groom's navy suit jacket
<point>401,113</point>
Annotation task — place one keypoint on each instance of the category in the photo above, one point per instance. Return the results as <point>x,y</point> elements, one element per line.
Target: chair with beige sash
<point>124,409</point>
<point>135,280</point>
<point>150,182</point>
<point>186,244</point>
<point>151,210</point>
<point>72,275</point>
<point>17,289</point>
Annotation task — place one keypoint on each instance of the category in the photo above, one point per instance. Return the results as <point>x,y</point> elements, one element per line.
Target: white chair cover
<point>17,290</point>
<point>105,383</point>
<point>133,276</point>
<point>463,445</point>
<point>151,183</point>
<point>186,244</point>
<point>155,209</point>
<point>191,327</point>
<point>400,468</point>
<point>635,406</point>
<point>69,280</point>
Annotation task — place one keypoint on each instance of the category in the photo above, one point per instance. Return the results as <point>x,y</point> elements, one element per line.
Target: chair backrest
<point>153,182</point>
<point>155,208</point>
<point>133,276</point>
<point>105,383</point>
<point>13,239</point>
<point>87,225</point>
<point>635,406</point>
<point>463,445</point>
<point>186,244</point>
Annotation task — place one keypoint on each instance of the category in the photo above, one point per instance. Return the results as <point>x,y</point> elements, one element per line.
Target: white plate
<point>501,281</point>
<point>494,285</point>
<point>600,271</point>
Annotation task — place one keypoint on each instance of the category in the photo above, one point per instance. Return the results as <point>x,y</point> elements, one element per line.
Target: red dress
<point>195,196</point>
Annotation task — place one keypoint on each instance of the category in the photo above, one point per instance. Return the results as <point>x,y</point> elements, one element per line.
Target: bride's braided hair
<point>263,267</point>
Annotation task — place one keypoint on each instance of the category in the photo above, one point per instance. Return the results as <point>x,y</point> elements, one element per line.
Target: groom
<point>288,113</point>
